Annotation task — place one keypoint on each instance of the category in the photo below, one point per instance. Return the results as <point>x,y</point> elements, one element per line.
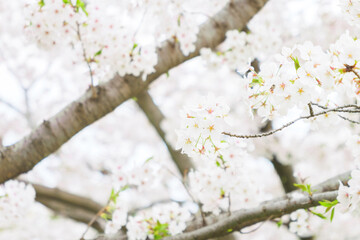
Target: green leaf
<point>134,46</point>
<point>308,188</point>
<point>41,3</point>
<point>319,215</point>
<point>342,71</point>
<point>332,214</point>
<point>279,223</point>
<point>98,53</point>
<point>179,20</point>
<point>81,4</point>
<point>105,216</point>
<point>217,163</point>
<point>327,203</point>
<point>304,187</point>
<point>257,81</point>
<point>67,2</point>
<point>222,193</point>
<point>149,159</point>
<point>229,230</point>
<point>301,186</point>
<point>160,230</point>
<point>296,63</point>
<point>54,217</point>
<point>114,195</point>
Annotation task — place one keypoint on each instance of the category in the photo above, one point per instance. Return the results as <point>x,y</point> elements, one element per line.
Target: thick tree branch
<point>285,173</point>
<point>330,184</point>
<point>225,224</point>
<point>246,217</point>
<point>155,117</point>
<point>53,133</point>
<point>69,205</point>
<point>59,195</point>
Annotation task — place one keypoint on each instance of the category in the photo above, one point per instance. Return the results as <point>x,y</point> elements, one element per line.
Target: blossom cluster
<point>349,196</point>
<point>225,186</point>
<point>104,39</point>
<point>352,10</point>
<point>15,199</point>
<point>200,135</point>
<point>300,223</point>
<point>221,161</point>
<point>118,217</point>
<point>305,74</point>
<point>157,222</point>
<point>100,41</point>
<point>141,177</point>
<point>241,48</point>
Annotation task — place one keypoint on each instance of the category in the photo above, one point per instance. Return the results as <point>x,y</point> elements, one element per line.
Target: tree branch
<point>155,117</point>
<point>53,133</point>
<point>285,173</point>
<point>219,225</point>
<point>225,224</point>
<point>69,205</point>
<point>248,217</point>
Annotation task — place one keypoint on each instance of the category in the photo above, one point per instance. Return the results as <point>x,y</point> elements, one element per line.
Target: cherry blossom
<point>15,199</point>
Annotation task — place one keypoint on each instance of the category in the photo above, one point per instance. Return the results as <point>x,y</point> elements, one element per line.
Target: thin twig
<point>337,109</point>
<point>311,109</point>
<point>345,118</point>
<point>12,107</point>
<point>318,105</point>
<point>140,24</point>
<point>348,119</point>
<point>353,71</point>
<point>94,94</point>
<point>94,219</point>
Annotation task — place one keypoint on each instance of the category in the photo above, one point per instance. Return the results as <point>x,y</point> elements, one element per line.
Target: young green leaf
<point>149,159</point>
<point>296,63</point>
<point>217,163</point>
<point>160,230</point>
<point>327,203</point>
<point>319,215</point>
<point>105,216</point>
<point>81,4</point>
<point>134,46</point>
<point>98,53</point>
<point>332,214</point>
<point>41,3</point>
<point>304,188</point>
